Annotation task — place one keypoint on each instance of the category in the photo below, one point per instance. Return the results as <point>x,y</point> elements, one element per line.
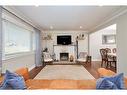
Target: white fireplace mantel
<point>71,49</point>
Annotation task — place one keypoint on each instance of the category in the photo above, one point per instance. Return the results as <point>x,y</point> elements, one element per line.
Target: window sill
<point>16,55</point>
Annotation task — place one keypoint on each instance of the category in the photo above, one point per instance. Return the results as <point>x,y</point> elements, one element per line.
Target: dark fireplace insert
<point>64,56</point>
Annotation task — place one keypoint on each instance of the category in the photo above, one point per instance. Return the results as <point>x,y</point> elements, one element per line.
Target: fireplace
<point>64,56</point>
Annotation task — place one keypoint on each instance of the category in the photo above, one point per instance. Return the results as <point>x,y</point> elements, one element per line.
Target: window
<point>17,39</point>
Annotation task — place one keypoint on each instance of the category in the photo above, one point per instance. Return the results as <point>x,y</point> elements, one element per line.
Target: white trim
<point>16,55</point>
<point>96,59</point>
<point>22,16</point>
<point>7,17</point>
<point>29,69</point>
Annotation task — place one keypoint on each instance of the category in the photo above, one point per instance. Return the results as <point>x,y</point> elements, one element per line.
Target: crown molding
<point>22,16</point>
<point>110,18</point>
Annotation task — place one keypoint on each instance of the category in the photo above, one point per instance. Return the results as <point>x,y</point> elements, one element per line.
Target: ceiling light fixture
<point>36,5</point>
<point>80,27</point>
<point>51,27</point>
<point>100,5</point>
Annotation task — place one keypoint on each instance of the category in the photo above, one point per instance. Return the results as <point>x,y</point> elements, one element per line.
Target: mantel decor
<point>80,37</point>
<point>47,37</point>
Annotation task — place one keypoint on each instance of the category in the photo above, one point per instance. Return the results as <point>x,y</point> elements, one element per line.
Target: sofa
<point>59,83</point>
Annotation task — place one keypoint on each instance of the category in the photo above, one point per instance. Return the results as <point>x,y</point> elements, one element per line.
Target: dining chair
<point>104,61</point>
<point>108,50</point>
<point>112,60</point>
<point>107,59</point>
<point>114,50</point>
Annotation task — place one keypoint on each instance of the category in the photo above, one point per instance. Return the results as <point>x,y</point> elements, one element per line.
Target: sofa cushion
<point>125,81</point>
<point>105,72</point>
<point>48,60</point>
<point>17,83</point>
<point>103,83</point>
<point>81,60</point>
<point>12,81</point>
<point>1,79</point>
<point>23,72</point>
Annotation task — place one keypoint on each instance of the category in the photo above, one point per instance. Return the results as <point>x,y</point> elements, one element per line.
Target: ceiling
<point>67,17</point>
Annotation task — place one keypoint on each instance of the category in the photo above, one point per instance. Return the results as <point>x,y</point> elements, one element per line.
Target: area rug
<point>75,72</point>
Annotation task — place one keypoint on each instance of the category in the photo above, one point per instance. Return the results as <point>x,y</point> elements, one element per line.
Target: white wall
<point>122,44</point>
<point>83,44</point>
<point>0,40</point>
<point>12,64</point>
<point>95,42</point>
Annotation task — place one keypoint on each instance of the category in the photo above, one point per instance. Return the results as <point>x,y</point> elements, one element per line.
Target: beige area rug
<point>75,72</point>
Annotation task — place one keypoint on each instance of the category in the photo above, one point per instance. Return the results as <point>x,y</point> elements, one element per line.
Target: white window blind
<point>17,39</point>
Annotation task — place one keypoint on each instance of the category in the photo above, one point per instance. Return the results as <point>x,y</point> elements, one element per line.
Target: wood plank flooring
<point>94,66</point>
<point>91,68</point>
<point>35,71</point>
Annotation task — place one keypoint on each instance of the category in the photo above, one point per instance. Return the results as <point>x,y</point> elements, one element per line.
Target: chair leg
<point>101,63</point>
<point>115,65</point>
<point>107,64</point>
<point>110,64</point>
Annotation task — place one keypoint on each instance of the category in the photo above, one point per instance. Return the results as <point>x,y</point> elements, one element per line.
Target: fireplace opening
<point>64,56</point>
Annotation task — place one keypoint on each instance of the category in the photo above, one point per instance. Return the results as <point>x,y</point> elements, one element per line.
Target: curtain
<point>0,40</point>
<point>38,60</point>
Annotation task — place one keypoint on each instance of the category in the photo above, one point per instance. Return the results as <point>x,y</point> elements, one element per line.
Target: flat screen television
<point>64,40</point>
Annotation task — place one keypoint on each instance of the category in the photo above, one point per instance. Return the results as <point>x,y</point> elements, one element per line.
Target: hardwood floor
<point>94,66</point>
<point>91,68</point>
<point>35,71</point>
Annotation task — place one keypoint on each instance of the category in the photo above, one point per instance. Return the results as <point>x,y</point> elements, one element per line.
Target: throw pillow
<point>111,82</point>
<point>12,81</point>
<point>103,83</point>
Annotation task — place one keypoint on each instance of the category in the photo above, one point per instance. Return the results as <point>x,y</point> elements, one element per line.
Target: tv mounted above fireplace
<point>64,40</point>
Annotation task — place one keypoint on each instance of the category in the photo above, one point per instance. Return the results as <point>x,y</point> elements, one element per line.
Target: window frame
<point>15,54</point>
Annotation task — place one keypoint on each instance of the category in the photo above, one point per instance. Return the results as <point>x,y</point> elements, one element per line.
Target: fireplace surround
<point>59,49</point>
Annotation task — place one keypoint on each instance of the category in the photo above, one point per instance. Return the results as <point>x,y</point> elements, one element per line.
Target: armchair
<point>47,57</point>
<point>84,58</point>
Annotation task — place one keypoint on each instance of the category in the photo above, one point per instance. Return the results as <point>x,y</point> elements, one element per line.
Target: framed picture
<point>109,39</point>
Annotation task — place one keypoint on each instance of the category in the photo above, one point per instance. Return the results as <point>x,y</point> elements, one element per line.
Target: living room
<point>62,39</point>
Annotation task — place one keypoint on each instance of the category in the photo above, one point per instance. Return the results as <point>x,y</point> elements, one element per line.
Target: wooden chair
<point>107,60</point>
<point>114,50</point>
<point>108,50</point>
<point>104,57</point>
<point>112,60</point>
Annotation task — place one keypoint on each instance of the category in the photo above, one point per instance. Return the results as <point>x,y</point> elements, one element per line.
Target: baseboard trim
<point>31,67</point>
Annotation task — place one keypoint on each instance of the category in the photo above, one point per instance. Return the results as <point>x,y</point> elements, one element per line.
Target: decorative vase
<point>71,58</point>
